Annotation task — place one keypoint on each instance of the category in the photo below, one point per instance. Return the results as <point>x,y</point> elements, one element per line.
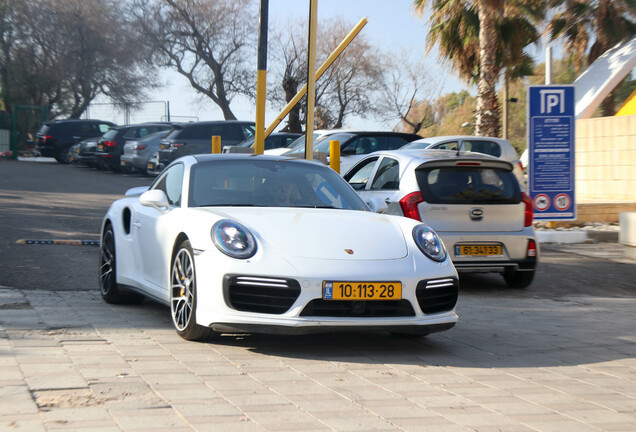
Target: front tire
<point>110,290</point>
<point>518,279</point>
<point>183,296</point>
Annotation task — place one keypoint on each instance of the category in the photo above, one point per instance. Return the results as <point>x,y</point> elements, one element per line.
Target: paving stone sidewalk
<point>69,362</point>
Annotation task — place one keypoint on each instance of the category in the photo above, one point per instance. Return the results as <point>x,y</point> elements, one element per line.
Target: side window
<point>395,142</point>
<point>359,176</point>
<point>103,128</point>
<point>132,133</point>
<point>451,145</point>
<point>364,145</point>
<point>487,147</point>
<point>83,129</point>
<point>248,131</point>
<point>388,175</point>
<point>172,183</point>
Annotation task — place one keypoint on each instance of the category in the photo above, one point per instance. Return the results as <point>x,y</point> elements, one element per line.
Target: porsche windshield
<point>269,183</point>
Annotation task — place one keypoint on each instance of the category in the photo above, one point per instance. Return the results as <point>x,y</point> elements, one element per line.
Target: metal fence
<point>129,112</point>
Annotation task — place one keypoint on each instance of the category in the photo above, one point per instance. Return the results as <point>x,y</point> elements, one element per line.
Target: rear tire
<point>183,296</point>
<point>64,156</point>
<point>518,279</point>
<point>110,290</point>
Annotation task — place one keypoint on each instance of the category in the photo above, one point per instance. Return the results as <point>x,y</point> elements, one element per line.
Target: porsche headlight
<point>429,243</point>
<point>233,239</point>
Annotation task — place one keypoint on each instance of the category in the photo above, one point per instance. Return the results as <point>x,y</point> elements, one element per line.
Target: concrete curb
<point>577,236</point>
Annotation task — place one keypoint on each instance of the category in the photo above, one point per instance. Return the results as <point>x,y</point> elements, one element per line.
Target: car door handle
<point>137,225</point>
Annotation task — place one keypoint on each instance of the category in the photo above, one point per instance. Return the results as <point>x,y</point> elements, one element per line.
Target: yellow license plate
<point>339,290</point>
<point>478,250</point>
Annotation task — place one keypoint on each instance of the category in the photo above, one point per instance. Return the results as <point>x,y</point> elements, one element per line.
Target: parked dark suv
<point>55,138</point>
<point>196,137</point>
<point>110,146</point>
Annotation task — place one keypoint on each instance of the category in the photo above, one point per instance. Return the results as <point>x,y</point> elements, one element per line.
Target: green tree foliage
<point>479,39</point>
<point>61,54</point>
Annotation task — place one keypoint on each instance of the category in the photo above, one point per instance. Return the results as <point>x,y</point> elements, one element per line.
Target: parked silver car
<point>137,153</point>
<point>473,201</point>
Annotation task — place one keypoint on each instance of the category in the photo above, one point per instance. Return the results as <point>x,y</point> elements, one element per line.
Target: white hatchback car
<point>473,201</point>
<point>497,147</point>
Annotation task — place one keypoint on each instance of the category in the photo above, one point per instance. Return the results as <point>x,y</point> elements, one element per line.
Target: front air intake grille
<point>260,294</point>
<point>437,295</point>
<point>357,309</point>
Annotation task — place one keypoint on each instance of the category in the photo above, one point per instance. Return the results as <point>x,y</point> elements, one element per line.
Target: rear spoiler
<point>467,162</point>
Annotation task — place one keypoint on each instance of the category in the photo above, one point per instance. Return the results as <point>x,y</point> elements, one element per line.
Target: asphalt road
<point>46,201</point>
<point>52,201</point>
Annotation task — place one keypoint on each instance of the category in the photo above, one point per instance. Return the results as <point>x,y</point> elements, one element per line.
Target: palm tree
<point>579,21</point>
<point>479,38</point>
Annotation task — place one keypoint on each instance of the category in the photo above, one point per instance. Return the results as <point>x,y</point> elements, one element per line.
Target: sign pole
<point>311,80</point>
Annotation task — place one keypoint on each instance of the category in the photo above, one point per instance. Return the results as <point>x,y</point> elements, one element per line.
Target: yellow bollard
<point>334,155</point>
<point>216,144</point>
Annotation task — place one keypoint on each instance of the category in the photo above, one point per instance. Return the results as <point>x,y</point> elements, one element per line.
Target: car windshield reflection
<point>269,184</point>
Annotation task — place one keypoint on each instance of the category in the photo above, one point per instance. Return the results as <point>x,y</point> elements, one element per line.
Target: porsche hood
<point>324,234</point>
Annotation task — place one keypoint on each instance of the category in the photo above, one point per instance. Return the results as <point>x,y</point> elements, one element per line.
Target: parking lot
<point>557,356</point>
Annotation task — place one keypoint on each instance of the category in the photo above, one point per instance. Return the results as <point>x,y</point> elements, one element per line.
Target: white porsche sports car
<point>237,243</point>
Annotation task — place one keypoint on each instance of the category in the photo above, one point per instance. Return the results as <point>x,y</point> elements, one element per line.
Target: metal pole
<point>334,155</point>
<point>548,65</point>
<point>216,144</point>
<point>334,55</point>
<point>311,80</point>
<point>261,75</point>
<point>505,107</point>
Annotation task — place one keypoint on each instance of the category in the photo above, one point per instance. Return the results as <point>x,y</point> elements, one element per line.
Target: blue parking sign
<point>551,171</point>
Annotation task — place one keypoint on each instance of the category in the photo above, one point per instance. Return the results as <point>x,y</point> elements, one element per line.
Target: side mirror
<point>155,198</point>
<point>377,205</point>
<point>136,191</point>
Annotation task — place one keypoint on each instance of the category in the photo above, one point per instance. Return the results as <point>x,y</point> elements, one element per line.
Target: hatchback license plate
<point>478,250</point>
<point>362,290</point>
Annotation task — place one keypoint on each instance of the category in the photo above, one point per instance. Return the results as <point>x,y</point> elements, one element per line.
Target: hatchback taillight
<point>109,143</point>
<point>529,211</point>
<point>138,146</point>
<point>176,145</point>
<point>409,204</point>
<point>45,138</point>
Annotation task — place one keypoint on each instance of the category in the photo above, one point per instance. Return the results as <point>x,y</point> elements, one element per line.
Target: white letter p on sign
<point>552,99</point>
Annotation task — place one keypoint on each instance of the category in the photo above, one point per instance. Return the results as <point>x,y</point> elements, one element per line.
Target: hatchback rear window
<point>468,185</point>
<point>44,129</point>
<point>110,134</point>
